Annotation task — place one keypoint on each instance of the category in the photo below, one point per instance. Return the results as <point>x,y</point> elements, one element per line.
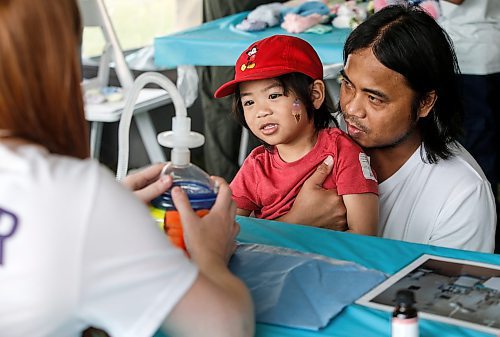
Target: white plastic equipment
<point>180,139</point>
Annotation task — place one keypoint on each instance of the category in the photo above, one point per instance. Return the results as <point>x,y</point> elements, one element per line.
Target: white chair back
<point>95,14</point>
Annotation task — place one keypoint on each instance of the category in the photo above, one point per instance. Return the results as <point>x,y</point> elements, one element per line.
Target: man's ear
<point>317,93</point>
<point>427,104</point>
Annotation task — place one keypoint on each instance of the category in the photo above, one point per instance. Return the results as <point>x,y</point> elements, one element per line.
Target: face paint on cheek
<point>296,110</point>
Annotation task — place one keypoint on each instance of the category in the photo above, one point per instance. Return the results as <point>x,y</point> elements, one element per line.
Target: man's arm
<point>316,206</point>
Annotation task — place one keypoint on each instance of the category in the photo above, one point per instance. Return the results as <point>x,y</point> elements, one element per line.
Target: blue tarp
<point>299,290</point>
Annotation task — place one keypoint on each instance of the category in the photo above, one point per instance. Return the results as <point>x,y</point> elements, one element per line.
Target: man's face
<point>376,102</point>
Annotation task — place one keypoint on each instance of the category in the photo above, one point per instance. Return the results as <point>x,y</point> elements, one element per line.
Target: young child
<point>279,95</point>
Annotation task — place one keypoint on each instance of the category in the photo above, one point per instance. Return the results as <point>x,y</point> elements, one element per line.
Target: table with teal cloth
<point>219,43</point>
<point>385,255</point>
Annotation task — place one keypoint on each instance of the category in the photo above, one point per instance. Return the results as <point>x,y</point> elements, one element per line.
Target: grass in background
<point>136,23</point>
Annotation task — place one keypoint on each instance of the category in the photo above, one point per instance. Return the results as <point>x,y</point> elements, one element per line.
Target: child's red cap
<point>271,57</point>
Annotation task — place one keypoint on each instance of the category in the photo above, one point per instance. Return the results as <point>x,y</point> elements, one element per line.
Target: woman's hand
<point>218,298</point>
<point>316,206</point>
<point>213,235</point>
<point>147,183</point>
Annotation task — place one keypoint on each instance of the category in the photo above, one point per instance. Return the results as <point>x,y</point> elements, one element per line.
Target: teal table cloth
<point>387,256</point>
<point>219,43</point>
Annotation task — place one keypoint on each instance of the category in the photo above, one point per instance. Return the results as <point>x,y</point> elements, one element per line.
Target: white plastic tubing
<point>126,117</point>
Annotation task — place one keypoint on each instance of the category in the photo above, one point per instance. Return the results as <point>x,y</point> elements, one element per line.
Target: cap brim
<point>230,87</point>
<point>226,89</point>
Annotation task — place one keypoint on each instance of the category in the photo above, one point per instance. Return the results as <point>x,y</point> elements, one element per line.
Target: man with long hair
<point>400,99</point>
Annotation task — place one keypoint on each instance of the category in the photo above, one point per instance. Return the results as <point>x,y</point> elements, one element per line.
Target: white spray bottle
<point>194,181</point>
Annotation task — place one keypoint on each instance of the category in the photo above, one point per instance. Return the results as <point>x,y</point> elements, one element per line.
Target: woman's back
<point>69,213</point>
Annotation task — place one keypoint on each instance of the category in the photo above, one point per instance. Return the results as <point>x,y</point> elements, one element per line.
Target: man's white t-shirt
<point>78,250</point>
<point>448,204</point>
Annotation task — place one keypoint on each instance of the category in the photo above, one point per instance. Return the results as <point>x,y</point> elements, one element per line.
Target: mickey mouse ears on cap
<point>271,57</point>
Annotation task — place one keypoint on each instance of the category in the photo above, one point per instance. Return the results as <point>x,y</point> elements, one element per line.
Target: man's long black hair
<point>407,40</point>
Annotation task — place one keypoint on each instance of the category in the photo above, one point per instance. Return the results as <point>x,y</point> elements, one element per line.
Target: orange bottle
<point>200,190</point>
<point>173,227</point>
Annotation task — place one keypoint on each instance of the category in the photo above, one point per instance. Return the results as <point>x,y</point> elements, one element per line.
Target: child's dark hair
<point>300,85</point>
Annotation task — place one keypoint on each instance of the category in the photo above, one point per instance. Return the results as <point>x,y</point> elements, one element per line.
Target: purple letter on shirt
<point>8,226</point>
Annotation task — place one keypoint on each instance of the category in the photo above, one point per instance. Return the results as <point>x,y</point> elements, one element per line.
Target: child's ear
<point>317,93</point>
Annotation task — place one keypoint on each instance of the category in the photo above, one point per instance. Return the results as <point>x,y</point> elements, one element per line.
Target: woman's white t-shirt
<point>77,249</point>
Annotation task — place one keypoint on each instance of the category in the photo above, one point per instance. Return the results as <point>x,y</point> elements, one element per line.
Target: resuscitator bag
<point>299,290</point>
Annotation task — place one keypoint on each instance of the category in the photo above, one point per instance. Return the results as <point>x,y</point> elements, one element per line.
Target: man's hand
<point>316,206</point>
